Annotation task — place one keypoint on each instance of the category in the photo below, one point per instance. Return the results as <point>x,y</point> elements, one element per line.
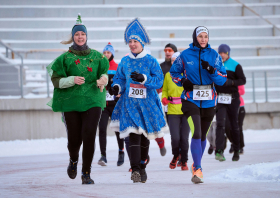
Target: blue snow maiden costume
<point>138,115</point>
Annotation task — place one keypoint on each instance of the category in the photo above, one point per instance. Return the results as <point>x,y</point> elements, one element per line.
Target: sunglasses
<point>168,50</point>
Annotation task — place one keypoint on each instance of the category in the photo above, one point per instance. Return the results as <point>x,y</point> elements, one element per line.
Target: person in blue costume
<point>201,67</point>
<point>138,113</point>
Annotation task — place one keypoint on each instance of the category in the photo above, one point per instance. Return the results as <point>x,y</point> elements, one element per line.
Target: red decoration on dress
<point>69,50</point>
<point>77,61</point>
<point>89,69</point>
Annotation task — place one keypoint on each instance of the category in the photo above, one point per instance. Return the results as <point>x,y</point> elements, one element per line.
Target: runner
<point>138,113</point>
<point>79,76</point>
<point>109,52</point>
<point>178,123</point>
<point>228,104</point>
<point>196,69</point>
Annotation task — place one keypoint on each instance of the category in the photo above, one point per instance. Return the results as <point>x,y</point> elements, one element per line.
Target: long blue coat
<point>139,115</point>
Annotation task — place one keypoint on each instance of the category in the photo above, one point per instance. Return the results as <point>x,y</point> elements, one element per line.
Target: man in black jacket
<point>169,50</point>
<point>228,104</point>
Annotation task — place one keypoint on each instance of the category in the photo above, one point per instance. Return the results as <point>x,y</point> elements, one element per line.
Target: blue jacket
<point>188,63</point>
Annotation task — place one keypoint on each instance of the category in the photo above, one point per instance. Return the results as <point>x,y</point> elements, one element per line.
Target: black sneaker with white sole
<point>72,169</point>
<point>102,161</point>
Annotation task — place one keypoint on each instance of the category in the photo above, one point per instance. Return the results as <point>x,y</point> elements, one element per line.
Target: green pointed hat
<point>79,26</point>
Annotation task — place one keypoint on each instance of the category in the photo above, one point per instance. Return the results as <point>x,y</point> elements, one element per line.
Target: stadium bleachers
<point>35,28</point>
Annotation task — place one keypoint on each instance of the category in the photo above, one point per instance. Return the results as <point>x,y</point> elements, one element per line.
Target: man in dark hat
<point>169,50</point>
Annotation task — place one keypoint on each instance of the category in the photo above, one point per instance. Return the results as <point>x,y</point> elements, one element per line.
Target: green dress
<point>89,64</point>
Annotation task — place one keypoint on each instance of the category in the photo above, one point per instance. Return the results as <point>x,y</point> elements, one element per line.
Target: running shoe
<point>121,158</point>
<point>86,178</point>
<point>102,161</point>
<point>184,166</point>
<point>163,151</point>
<point>220,156</point>
<point>72,169</point>
<point>144,176</point>
<point>173,163</point>
<point>235,156</point>
<point>197,176</point>
<point>210,150</point>
<point>192,169</point>
<point>135,176</point>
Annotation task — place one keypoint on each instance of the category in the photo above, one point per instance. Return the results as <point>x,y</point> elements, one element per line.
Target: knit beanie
<point>172,46</point>
<point>109,48</point>
<point>79,26</point>
<point>224,48</point>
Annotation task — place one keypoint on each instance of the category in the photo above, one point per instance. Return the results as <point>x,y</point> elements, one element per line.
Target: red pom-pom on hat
<point>109,43</point>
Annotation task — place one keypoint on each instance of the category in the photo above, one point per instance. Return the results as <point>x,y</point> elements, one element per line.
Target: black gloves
<point>137,77</point>
<point>187,84</point>
<point>209,68</point>
<point>229,82</point>
<point>114,90</point>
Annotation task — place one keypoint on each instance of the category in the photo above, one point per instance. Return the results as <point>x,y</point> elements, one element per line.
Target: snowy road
<point>45,175</point>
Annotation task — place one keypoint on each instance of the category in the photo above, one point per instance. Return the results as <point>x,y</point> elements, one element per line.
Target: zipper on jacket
<point>200,73</point>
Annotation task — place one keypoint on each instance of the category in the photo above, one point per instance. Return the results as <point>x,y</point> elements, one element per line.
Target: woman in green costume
<point>79,76</point>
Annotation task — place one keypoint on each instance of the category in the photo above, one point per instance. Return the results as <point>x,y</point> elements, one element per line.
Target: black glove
<point>187,84</point>
<point>229,82</point>
<point>137,77</point>
<point>114,90</point>
<point>209,68</point>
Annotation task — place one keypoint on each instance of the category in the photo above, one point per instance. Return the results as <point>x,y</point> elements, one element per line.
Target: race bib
<point>202,92</point>
<point>137,91</point>
<point>109,97</point>
<point>224,98</point>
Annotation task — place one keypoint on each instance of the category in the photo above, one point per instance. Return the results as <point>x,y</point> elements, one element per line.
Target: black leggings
<point>103,124</point>
<point>81,128</point>
<point>139,149</point>
<point>230,110</point>
<point>179,131</point>
<point>199,119</point>
<point>241,117</point>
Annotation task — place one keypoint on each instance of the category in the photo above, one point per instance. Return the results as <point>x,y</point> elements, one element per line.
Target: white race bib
<point>224,98</point>
<point>137,91</point>
<point>109,97</point>
<point>202,92</point>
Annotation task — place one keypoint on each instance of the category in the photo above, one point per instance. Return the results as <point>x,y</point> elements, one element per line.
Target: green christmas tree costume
<point>89,64</point>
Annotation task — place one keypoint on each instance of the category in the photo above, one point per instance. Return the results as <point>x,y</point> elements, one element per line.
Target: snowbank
<point>263,172</point>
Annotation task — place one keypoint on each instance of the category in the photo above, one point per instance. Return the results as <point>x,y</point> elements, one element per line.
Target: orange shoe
<point>173,163</point>
<point>192,169</point>
<point>197,176</point>
<point>184,166</point>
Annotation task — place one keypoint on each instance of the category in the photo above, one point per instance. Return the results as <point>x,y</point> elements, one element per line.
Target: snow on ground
<point>37,168</point>
<point>59,145</point>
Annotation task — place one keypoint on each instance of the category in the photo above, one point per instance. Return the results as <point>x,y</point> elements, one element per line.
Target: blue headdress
<point>135,30</point>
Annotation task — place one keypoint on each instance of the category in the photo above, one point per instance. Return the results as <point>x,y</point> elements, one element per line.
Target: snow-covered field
<point>37,168</point>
